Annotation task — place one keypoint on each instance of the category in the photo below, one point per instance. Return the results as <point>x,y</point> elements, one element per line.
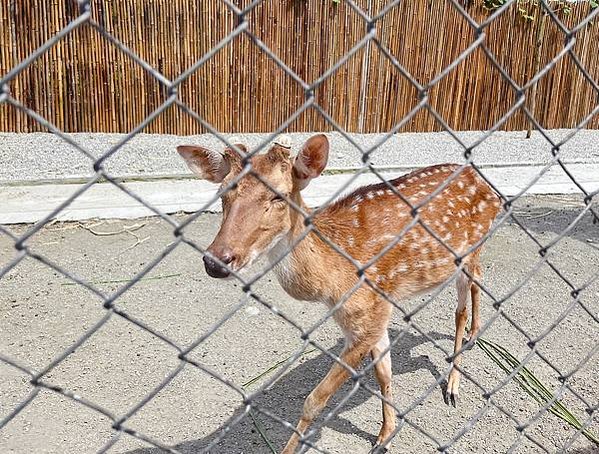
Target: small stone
<point>252,310</point>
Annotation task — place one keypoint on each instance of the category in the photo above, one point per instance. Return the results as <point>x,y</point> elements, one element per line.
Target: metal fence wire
<point>38,380</point>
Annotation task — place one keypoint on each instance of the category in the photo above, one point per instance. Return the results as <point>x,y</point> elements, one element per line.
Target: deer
<point>257,221</point>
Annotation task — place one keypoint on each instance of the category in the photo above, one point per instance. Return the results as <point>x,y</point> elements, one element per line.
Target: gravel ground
<point>41,315</point>
<point>40,156</point>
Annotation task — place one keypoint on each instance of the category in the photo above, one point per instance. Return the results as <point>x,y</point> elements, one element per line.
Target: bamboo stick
<point>84,83</point>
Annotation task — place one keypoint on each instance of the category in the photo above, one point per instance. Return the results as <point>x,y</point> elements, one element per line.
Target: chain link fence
<point>308,441</point>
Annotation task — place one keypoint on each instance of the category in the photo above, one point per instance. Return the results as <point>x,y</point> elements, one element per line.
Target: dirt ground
<point>42,314</point>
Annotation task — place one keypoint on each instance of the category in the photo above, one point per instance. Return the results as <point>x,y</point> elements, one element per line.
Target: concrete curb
<point>26,203</point>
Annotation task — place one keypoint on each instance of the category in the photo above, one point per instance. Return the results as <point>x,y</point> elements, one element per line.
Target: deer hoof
<point>377,449</point>
<point>452,398</point>
<point>452,394</point>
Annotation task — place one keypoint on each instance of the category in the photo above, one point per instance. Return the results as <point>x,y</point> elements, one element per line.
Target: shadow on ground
<point>556,217</point>
<point>286,396</point>
<point>587,450</point>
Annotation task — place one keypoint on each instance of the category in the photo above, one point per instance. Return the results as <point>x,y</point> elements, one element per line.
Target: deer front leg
<point>383,373</point>
<point>352,356</point>
<point>461,316</point>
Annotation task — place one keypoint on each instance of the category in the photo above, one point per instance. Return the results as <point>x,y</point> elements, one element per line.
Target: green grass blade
<point>261,430</point>
<point>262,433</point>
<point>532,385</point>
<point>117,281</point>
<point>273,368</point>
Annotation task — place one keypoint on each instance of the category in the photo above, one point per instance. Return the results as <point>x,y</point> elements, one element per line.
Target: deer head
<point>255,218</point>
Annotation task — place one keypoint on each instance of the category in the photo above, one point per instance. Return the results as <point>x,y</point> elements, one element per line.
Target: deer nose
<point>214,269</point>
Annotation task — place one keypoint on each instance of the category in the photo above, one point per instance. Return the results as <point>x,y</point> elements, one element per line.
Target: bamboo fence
<point>85,84</point>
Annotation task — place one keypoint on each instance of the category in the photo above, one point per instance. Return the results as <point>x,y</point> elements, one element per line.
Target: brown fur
<point>362,224</point>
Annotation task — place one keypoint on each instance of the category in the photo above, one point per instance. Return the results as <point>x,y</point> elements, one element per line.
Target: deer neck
<point>302,272</point>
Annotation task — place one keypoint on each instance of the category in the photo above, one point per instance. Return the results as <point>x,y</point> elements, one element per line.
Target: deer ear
<point>311,160</point>
<point>206,164</point>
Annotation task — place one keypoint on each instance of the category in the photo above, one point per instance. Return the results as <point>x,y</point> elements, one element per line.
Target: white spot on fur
<point>350,240</point>
<point>356,223</point>
<point>447,237</point>
<point>380,192</point>
<point>451,204</point>
<point>482,205</point>
<point>472,190</point>
<point>359,199</point>
<point>372,243</point>
<point>461,184</point>
<point>355,208</point>
<point>370,195</point>
<point>445,219</point>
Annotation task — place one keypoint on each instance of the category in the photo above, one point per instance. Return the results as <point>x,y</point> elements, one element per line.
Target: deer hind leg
<point>361,337</point>
<point>463,285</point>
<point>476,272</point>
<point>382,371</point>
